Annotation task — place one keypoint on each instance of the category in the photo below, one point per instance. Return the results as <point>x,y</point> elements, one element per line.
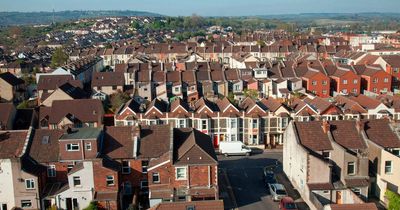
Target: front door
<point>68,203</point>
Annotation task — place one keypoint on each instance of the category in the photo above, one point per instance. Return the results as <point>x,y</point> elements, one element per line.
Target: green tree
<point>92,206</point>
<point>59,58</point>
<point>23,105</point>
<point>117,99</point>
<point>394,200</point>
<point>251,93</point>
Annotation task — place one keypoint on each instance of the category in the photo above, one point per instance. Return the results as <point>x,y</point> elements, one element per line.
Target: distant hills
<point>35,18</point>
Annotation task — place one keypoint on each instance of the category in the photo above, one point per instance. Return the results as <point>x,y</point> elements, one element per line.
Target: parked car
<point>269,175</point>
<point>287,203</point>
<point>277,191</point>
<point>234,148</point>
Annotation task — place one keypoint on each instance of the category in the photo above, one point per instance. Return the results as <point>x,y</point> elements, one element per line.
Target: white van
<point>233,148</point>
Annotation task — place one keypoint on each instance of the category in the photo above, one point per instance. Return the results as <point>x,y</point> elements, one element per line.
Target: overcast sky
<point>208,7</point>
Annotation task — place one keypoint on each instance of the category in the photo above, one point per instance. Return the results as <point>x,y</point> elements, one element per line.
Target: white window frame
<point>126,169</point>
<point>385,80</point>
<point>324,82</point>
<point>51,171</point>
<point>88,146</point>
<point>254,121</point>
<point>390,171</point>
<point>201,124</point>
<point>144,167</point>
<point>155,174</point>
<point>345,81</point>
<point>72,150</point>
<point>314,83</point>
<point>110,178</point>
<point>176,173</point>
<point>354,168</point>
<point>355,81</point>
<point>181,123</point>
<point>29,184</point>
<point>26,202</point>
<point>75,178</point>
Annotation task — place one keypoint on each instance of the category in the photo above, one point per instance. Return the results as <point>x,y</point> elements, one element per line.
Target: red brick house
<point>374,79</point>
<point>393,68</point>
<point>187,172</point>
<point>345,80</point>
<point>317,83</point>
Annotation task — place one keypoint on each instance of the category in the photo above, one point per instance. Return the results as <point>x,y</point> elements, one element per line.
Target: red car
<point>287,203</point>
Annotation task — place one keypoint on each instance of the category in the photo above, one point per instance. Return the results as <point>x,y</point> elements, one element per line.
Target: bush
<point>92,206</point>
<point>394,200</point>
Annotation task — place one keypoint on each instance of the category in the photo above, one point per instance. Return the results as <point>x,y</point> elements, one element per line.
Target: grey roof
<point>82,133</point>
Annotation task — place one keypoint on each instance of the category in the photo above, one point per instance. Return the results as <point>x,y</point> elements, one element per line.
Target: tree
<point>23,105</point>
<point>59,58</point>
<point>394,200</point>
<point>92,206</point>
<point>117,99</point>
<point>251,93</point>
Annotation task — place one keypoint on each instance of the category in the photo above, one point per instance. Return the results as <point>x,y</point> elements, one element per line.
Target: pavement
<point>243,177</point>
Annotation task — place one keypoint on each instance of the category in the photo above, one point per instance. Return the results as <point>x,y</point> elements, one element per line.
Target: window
<point>388,167</point>
<point>51,171</point>
<point>152,122</point>
<point>351,168</point>
<point>69,167</point>
<point>145,164</point>
<point>326,154</point>
<point>29,184</point>
<point>255,123</point>
<point>375,80</point>
<point>233,137</point>
<point>26,203</point>
<point>181,123</point>
<point>344,91</point>
<point>324,82</point>
<point>355,81</point>
<point>180,173</point>
<point>345,81</point>
<point>110,180</point>
<point>232,122</point>
<point>156,177</point>
<point>144,184</point>
<point>114,87</point>
<point>204,124</point>
<point>356,191</point>
<point>324,92</point>
<point>375,90</point>
<point>126,168</point>
<point>314,83</point>
<point>386,80</point>
<point>76,180</point>
<point>384,90</point>
<point>396,70</point>
<point>396,152</point>
<point>354,90</point>
<point>314,92</point>
<point>3,206</point>
<point>72,147</point>
<point>176,89</point>
<point>88,146</point>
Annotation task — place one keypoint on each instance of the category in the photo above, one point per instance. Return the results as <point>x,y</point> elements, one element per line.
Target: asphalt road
<point>246,178</point>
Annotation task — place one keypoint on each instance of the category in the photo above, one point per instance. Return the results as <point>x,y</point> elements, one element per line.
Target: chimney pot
<point>325,126</point>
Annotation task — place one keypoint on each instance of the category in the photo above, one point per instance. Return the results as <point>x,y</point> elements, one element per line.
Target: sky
<point>208,7</point>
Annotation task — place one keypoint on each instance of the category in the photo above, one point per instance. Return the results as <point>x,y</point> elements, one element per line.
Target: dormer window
<point>72,147</point>
<point>326,154</point>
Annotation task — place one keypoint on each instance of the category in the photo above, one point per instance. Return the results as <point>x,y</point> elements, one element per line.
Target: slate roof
<point>12,143</point>
<point>346,134</point>
<point>118,142</point>
<point>100,79</point>
<point>379,132</point>
<point>52,82</point>
<point>312,136</point>
<point>154,141</point>
<point>45,147</point>
<point>86,110</point>
<point>192,147</point>
<point>5,113</point>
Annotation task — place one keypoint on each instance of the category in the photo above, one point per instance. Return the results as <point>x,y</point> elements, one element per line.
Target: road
<point>245,175</point>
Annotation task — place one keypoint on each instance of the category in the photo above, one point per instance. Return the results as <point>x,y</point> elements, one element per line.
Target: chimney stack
<point>360,125</point>
<point>325,126</point>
